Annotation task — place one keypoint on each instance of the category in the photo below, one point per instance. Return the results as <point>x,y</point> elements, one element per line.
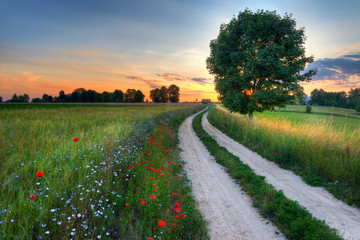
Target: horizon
<point>49,47</point>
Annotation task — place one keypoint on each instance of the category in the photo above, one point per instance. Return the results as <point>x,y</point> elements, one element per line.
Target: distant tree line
<point>165,94</point>
<point>336,99</point>
<point>83,95</point>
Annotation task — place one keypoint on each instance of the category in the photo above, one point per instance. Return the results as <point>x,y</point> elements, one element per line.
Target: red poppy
<point>143,202</point>
<point>116,189</point>
<point>150,238</point>
<point>76,139</point>
<point>162,174</point>
<point>177,217</point>
<point>154,184</point>
<point>39,174</point>
<point>152,197</point>
<point>126,204</point>
<point>165,180</point>
<point>131,167</point>
<point>182,215</point>
<point>180,164</point>
<point>174,224</point>
<point>138,164</point>
<point>32,196</point>
<point>155,190</point>
<point>161,223</point>
<point>140,199</point>
<point>177,204</point>
<point>179,176</point>
<point>166,151</point>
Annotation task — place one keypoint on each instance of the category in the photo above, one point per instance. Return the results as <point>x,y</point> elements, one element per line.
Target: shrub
<point>308,109</point>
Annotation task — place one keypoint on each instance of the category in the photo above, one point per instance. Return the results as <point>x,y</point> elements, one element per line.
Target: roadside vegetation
<point>94,172</point>
<point>294,221</point>
<point>321,153</point>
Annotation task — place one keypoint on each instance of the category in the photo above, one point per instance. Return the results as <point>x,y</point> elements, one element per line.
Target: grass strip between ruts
<point>293,220</point>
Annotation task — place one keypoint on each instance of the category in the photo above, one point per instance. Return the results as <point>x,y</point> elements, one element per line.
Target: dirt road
<point>320,203</point>
<point>225,207</point>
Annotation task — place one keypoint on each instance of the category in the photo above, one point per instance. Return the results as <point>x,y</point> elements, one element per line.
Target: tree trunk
<point>250,117</point>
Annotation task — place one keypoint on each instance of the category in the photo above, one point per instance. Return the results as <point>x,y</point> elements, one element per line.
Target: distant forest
<point>162,94</point>
<point>337,99</point>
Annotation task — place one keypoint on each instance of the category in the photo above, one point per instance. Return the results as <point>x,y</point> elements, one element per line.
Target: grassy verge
<point>321,156</point>
<point>290,218</point>
<point>89,189</point>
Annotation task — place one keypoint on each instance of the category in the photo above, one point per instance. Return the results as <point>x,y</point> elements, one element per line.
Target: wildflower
<point>116,189</point>
<point>140,199</point>
<point>177,204</point>
<point>174,224</point>
<point>32,196</point>
<point>179,176</point>
<point>131,167</point>
<point>182,215</point>
<point>161,223</point>
<point>39,174</point>
<point>152,196</point>
<point>177,217</point>
<point>126,204</point>
<point>155,190</point>
<point>162,174</point>
<point>180,164</point>
<point>165,180</point>
<point>76,139</point>
<point>143,202</point>
<point>166,151</point>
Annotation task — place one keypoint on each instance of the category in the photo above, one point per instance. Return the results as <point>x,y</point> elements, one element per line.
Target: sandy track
<point>227,210</point>
<point>320,203</point>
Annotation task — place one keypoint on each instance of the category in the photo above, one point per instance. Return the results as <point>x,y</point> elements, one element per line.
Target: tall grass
<point>87,183</point>
<point>323,155</point>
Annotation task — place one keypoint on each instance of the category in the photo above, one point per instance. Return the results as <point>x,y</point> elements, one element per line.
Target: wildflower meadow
<point>94,172</point>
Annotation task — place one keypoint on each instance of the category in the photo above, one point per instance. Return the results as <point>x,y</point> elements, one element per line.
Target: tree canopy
<point>165,94</point>
<point>257,60</point>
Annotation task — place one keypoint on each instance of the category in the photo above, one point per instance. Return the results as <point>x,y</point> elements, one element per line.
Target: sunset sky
<point>48,46</point>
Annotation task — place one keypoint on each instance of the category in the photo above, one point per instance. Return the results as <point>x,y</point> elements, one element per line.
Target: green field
<point>101,186</point>
<point>322,147</point>
<point>340,119</point>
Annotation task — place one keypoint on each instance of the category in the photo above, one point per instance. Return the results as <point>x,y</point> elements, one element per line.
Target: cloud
<point>178,77</point>
<point>153,83</point>
<point>341,68</point>
<point>200,80</point>
<point>172,76</point>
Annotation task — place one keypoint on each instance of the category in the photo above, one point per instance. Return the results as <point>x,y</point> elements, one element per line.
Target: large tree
<point>257,61</point>
<point>174,95</point>
<point>155,95</point>
<point>139,96</point>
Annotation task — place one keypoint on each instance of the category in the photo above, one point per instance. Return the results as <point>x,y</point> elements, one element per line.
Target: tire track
<point>320,203</point>
<point>227,210</point>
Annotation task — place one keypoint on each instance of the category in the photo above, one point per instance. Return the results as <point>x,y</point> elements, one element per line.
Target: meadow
<point>340,119</point>
<point>325,153</point>
<point>95,172</point>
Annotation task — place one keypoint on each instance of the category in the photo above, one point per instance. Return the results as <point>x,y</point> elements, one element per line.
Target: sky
<point>47,46</point>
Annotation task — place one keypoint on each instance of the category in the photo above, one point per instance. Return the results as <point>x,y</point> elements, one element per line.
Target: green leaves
<point>260,53</point>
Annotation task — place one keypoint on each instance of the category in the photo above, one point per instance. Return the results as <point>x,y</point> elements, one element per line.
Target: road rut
<point>227,210</point>
<point>320,203</point>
